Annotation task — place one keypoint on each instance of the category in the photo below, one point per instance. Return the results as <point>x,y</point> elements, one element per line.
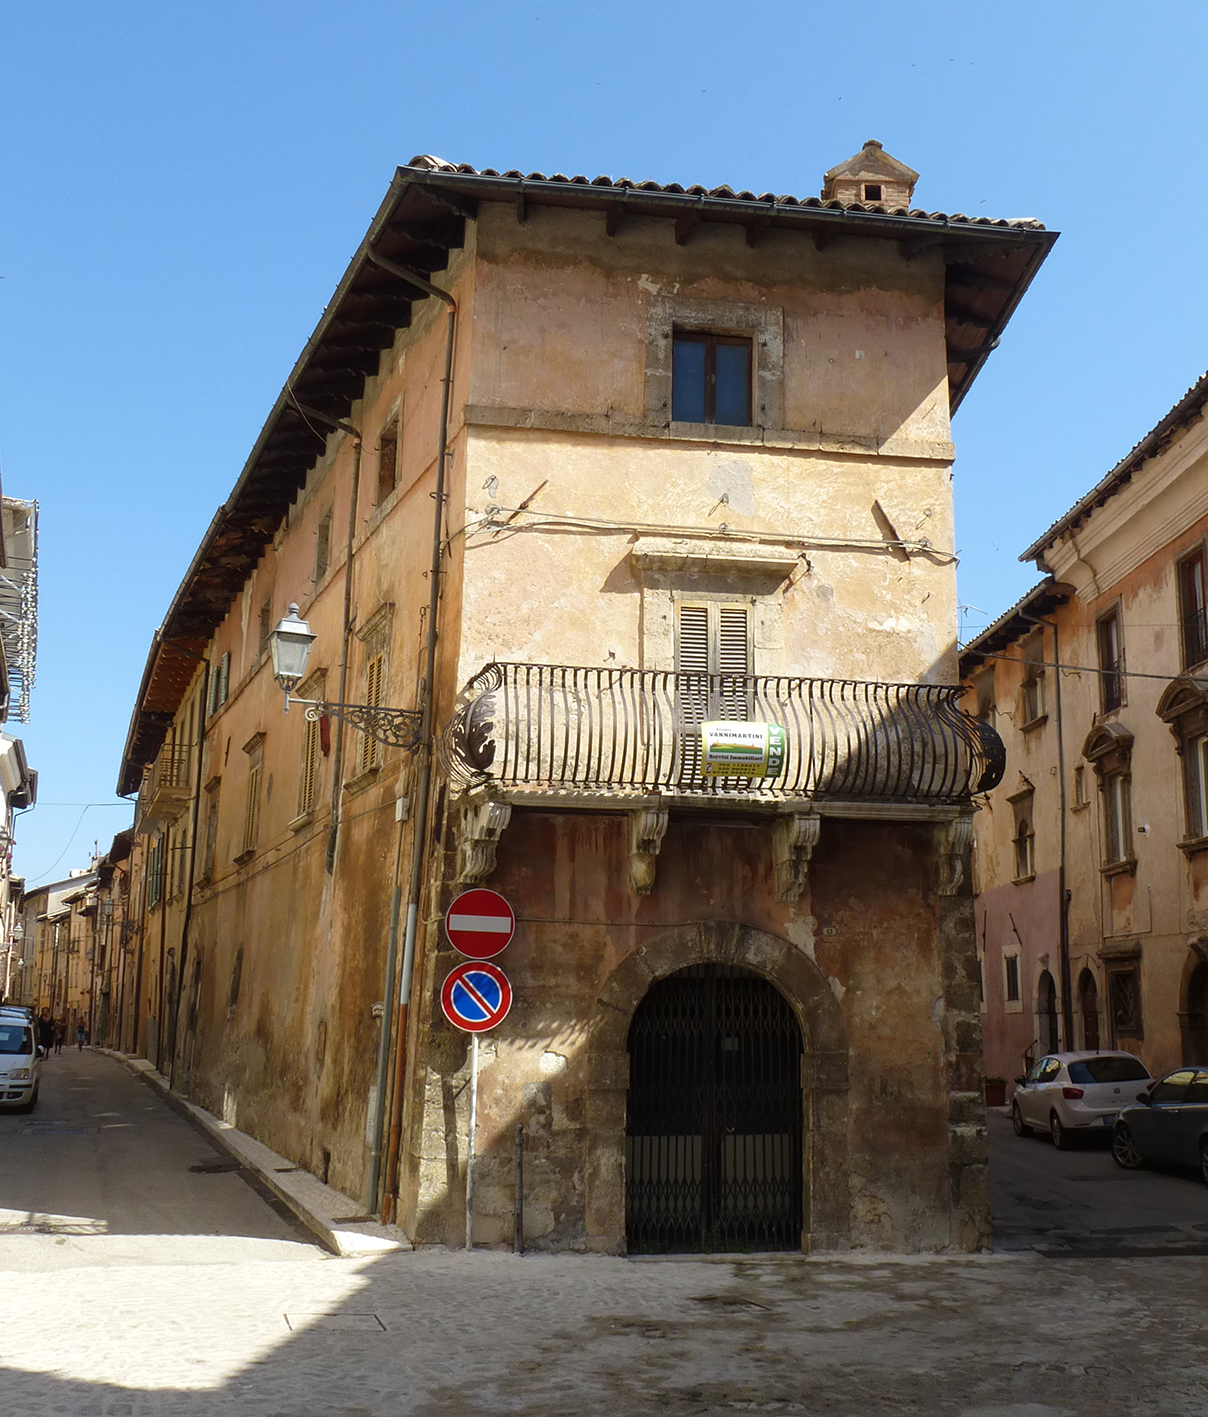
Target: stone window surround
<point>1108,748</point>
<point>1012,1006</point>
<point>762,324</point>
<point>1183,707</point>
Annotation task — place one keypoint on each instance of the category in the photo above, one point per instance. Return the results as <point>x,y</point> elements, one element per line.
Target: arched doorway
<point>1195,1031</point>
<point>1046,1007</point>
<point>1088,1007</point>
<point>714,1115</point>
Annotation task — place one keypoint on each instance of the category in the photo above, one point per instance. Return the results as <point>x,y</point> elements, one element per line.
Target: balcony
<point>532,731</point>
<point>166,788</point>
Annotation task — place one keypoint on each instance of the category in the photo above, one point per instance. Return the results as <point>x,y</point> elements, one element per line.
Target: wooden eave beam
<point>967,317</point>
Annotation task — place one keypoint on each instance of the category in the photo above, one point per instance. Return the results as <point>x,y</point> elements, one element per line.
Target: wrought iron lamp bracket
<point>396,728</point>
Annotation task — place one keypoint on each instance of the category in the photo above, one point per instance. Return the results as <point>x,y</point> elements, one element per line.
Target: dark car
<point>1170,1125</point>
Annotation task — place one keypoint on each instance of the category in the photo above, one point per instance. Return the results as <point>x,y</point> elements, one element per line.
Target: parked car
<point>1170,1124</point>
<point>1071,1092</point>
<point>20,1065</point>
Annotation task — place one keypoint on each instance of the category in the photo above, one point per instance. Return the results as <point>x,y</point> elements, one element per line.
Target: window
<point>1111,662</point>
<point>1192,610</point>
<point>322,546</point>
<point>1080,797</point>
<point>1025,850</point>
<point>251,812</point>
<point>308,777</point>
<point>1195,786</point>
<point>375,673</point>
<point>180,851</point>
<point>872,191</point>
<point>387,475</point>
<point>712,640</point>
<point>222,681</point>
<point>155,873</point>
<point>211,836</point>
<point>1108,1070</point>
<point>1124,993</point>
<point>1033,679</point>
<point>1012,969</point>
<point>266,626</point>
<point>1117,818</point>
<point>711,379</point>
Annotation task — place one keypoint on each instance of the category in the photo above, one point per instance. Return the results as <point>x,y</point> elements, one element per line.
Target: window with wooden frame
<point>210,848</point>
<point>1184,708</point>
<point>220,680</point>
<point>155,873</point>
<point>1108,748</point>
<point>266,625</point>
<point>180,852</point>
<point>1195,787</point>
<point>1111,661</point>
<point>711,378</point>
<point>1124,999</point>
<point>1025,837</point>
<point>312,748</point>
<point>983,683</point>
<point>375,637</point>
<point>1011,978</point>
<point>251,809</point>
<point>387,468</point>
<point>1193,612</point>
<point>713,657</point>
<point>323,546</point>
<point>1033,689</point>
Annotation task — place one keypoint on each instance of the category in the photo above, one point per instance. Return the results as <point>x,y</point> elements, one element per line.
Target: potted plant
<point>996,1092</point>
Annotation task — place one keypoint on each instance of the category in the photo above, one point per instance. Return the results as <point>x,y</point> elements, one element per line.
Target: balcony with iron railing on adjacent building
<point>536,732</point>
<point>166,788</point>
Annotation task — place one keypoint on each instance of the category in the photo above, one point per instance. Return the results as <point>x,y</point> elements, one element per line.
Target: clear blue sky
<point>182,186</point>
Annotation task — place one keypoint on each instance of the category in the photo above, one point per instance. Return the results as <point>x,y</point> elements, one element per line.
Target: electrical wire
<point>1089,669</point>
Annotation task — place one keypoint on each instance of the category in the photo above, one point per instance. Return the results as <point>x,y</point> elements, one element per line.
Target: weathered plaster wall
<point>873,941</point>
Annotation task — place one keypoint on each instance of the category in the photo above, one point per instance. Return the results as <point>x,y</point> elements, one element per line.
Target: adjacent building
<point>569,469</point>
<point>1092,853</point>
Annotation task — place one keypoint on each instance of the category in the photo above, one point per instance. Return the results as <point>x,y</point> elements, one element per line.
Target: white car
<point>20,1065</point>
<point>1068,1092</point>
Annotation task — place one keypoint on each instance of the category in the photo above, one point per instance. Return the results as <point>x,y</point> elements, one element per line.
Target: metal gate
<point>714,1133</point>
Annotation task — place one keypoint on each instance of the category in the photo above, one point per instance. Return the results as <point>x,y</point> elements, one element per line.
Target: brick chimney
<point>871,177</point>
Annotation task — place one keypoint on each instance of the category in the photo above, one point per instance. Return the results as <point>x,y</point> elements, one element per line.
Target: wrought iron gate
<point>714,1133</point>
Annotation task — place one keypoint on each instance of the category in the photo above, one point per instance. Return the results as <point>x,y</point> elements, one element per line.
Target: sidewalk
<point>336,1219</point>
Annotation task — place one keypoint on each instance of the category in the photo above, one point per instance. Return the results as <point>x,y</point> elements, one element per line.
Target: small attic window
<point>872,191</point>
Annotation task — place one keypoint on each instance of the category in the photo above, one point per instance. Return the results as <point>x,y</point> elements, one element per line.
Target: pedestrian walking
<point>81,1035</point>
<point>60,1034</point>
<point>46,1032</point>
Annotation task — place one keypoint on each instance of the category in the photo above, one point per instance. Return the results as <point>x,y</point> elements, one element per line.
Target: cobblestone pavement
<point>133,1323</point>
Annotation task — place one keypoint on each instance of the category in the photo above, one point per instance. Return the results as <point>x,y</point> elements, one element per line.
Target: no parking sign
<point>476,996</point>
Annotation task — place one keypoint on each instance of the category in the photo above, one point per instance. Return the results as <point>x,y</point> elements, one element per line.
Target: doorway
<point>1195,1036</point>
<point>1088,1005</point>
<point>1046,1007</point>
<point>714,1126</point>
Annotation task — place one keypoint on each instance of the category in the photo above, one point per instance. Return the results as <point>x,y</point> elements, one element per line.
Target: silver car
<point>1078,1091</point>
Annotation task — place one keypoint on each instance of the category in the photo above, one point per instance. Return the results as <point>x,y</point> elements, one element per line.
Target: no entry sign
<point>476,996</point>
<point>480,923</point>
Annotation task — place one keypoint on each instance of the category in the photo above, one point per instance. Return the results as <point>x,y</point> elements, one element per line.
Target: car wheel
<point>1061,1138</point>
<point>1124,1150</point>
<point>1021,1127</point>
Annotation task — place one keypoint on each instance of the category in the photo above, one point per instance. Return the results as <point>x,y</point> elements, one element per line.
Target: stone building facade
<point>1092,854</point>
<point>698,469</point>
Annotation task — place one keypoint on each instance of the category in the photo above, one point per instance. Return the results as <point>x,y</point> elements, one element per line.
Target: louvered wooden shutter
<point>733,658</point>
<point>692,640</point>
<point>375,673</point>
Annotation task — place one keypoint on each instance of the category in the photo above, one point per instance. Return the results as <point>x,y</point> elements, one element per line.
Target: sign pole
<point>470,1148</point>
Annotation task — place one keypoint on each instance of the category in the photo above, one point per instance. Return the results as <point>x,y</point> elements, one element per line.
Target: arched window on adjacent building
<point>1184,707</point>
<point>1108,748</point>
<point>1046,1009</point>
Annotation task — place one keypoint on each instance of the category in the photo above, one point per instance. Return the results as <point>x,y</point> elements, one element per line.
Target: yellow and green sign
<point>741,749</point>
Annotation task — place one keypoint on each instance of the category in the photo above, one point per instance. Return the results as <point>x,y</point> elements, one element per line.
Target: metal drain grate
<point>215,1168</point>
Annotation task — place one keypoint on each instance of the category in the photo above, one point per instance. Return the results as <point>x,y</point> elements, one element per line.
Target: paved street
<point>137,1286</point>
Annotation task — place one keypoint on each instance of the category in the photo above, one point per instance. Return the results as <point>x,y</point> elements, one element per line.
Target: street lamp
<point>289,645</point>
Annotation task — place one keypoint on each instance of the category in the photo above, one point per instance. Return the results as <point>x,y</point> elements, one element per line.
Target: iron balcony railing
<point>560,727</point>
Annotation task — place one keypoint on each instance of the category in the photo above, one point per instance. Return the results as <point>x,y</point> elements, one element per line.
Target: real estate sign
<point>741,749</point>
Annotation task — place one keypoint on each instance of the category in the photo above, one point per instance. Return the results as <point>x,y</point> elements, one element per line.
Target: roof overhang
<point>1020,620</point>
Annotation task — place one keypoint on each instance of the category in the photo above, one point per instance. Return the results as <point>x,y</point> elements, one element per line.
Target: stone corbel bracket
<point>954,840</point>
<point>482,824</point>
<point>794,837</point>
<point>647,828</point>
